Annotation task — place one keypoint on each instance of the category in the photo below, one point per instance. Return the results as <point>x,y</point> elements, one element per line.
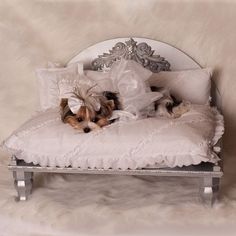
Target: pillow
<point>190,85</point>
<point>128,79</point>
<point>56,82</point>
<point>49,80</point>
<point>98,80</point>
<point>102,79</point>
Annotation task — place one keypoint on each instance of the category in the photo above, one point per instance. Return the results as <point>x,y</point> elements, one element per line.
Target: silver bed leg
<point>23,184</point>
<point>209,190</point>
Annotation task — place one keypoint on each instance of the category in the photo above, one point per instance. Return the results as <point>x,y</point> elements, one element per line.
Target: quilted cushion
<point>187,140</point>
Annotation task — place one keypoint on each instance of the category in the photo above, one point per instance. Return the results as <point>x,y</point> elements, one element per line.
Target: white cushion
<point>56,82</point>
<point>49,80</point>
<point>98,80</point>
<point>45,140</point>
<point>190,85</point>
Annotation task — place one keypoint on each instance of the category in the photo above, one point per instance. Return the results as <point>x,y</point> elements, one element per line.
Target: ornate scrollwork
<point>141,53</point>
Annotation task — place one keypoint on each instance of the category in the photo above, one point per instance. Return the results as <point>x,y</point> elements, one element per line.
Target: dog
<point>93,110</point>
<point>168,105</point>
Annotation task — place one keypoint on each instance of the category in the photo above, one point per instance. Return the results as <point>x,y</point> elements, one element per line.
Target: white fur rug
<point>114,205</point>
<point>34,32</point>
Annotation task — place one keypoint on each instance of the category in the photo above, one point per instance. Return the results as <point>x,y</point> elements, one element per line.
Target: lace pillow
<point>102,79</point>
<point>129,79</point>
<point>49,80</point>
<point>98,80</point>
<point>57,82</point>
<point>189,85</point>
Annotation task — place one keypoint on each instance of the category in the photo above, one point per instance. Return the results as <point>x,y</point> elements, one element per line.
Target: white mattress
<point>188,140</point>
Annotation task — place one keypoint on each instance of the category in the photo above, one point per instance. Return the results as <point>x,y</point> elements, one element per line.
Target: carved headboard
<point>154,55</point>
<point>139,52</point>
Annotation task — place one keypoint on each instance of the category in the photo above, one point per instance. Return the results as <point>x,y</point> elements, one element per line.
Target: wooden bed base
<point>208,173</point>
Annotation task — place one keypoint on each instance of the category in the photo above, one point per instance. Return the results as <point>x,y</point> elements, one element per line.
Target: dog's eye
<point>95,120</point>
<point>79,119</point>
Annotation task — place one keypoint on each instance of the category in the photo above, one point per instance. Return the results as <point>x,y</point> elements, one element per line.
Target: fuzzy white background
<point>33,32</point>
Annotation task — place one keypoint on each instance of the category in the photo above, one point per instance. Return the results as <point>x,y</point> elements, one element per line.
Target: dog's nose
<point>87,129</point>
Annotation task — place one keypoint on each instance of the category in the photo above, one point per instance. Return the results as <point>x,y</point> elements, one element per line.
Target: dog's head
<point>92,109</point>
<point>90,119</point>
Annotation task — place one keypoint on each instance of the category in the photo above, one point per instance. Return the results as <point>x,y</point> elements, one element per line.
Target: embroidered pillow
<point>190,85</point>
<point>56,82</point>
<point>100,82</point>
<point>49,80</point>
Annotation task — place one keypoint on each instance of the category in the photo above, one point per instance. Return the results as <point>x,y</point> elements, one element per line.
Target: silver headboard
<point>139,52</point>
<point>139,49</point>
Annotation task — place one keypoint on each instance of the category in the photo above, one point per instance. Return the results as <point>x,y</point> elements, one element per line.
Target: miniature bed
<point>124,149</point>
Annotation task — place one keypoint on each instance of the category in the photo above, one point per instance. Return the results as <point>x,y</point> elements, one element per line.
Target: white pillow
<point>102,79</point>
<point>49,80</point>
<point>190,85</point>
<point>98,80</point>
<point>129,79</point>
<point>56,82</point>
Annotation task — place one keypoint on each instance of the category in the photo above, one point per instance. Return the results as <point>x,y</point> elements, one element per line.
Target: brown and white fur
<point>87,119</point>
<point>168,105</point>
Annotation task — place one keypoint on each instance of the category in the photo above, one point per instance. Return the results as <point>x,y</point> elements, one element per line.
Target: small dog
<point>168,105</point>
<point>93,109</point>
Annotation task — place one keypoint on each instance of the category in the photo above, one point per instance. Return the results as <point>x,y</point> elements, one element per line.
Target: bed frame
<point>141,50</point>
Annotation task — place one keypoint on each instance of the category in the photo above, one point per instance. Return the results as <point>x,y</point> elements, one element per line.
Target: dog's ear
<point>64,102</point>
<point>115,97</point>
<point>111,103</point>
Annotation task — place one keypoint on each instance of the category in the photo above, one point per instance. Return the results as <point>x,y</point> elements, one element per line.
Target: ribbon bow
<point>84,96</point>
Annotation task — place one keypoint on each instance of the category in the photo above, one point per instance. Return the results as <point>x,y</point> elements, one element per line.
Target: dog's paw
<point>181,109</point>
<point>72,121</point>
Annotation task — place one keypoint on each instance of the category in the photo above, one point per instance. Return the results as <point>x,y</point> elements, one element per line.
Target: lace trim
<point>219,127</point>
<point>116,162</point>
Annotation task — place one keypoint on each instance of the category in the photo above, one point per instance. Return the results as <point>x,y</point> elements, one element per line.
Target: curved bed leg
<point>209,190</point>
<point>23,184</point>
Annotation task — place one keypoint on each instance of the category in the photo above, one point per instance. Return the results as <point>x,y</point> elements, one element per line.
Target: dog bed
<point>187,146</point>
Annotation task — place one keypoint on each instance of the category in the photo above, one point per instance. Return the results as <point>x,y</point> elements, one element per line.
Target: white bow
<point>88,98</point>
